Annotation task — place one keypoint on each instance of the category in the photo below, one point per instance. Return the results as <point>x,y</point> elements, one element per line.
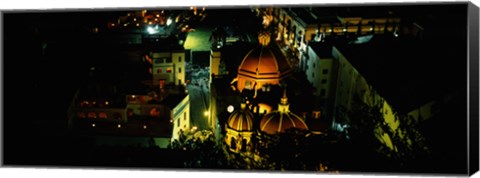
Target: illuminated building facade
<point>240,129</point>
<point>168,67</point>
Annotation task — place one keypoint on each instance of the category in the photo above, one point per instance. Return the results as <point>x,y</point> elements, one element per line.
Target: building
<point>133,102</point>
<point>168,66</point>
<point>240,129</point>
<point>243,108</point>
<point>178,107</point>
<point>296,27</point>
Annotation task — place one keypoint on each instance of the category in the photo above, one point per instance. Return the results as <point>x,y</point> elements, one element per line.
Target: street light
<point>206,113</point>
<point>151,30</point>
<point>230,109</point>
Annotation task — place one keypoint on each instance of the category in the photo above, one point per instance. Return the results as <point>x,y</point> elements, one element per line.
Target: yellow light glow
<point>206,113</point>
<point>144,126</point>
<point>119,126</point>
<point>93,125</point>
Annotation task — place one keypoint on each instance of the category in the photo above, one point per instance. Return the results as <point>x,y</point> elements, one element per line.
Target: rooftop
<point>323,50</point>
<point>408,72</point>
<point>304,15</point>
<point>172,100</point>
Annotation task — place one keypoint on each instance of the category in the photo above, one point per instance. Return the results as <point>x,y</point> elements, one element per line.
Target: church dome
<point>264,64</point>
<point>282,119</point>
<point>241,120</point>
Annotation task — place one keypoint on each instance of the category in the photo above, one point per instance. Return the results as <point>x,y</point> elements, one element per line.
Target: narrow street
<point>199,97</point>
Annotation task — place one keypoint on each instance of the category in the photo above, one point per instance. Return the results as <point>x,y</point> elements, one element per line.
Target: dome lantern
<point>264,38</point>
<point>282,119</point>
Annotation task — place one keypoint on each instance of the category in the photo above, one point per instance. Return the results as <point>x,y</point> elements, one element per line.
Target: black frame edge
<point>473,53</point>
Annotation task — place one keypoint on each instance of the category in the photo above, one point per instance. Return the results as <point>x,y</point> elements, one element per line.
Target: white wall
<point>181,117</point>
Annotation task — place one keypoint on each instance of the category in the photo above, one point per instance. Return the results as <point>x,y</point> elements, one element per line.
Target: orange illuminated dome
<point>282,119</point>
<point>262,65</point>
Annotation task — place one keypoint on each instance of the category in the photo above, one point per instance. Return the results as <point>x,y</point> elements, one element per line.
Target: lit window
<point>154,112</point>
<point>92,115</point>
<point>248,84</point>
<point>81,115</point>
<point>84,104</point>
<point>102,115</point>
<point>132,98</point>
<point>130,112</point>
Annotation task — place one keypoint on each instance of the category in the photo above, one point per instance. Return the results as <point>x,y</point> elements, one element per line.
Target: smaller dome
<point>281,119</point>
<point>241,120</point>
<point>278,122</point>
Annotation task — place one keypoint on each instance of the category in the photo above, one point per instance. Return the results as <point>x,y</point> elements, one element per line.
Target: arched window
<point>244,145</point>
<point>154,112</point>
<point>233,143</point>
<point>85,104</point>
<point>129,112</point>
<point>92,115</point>
<point>102,115</point>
